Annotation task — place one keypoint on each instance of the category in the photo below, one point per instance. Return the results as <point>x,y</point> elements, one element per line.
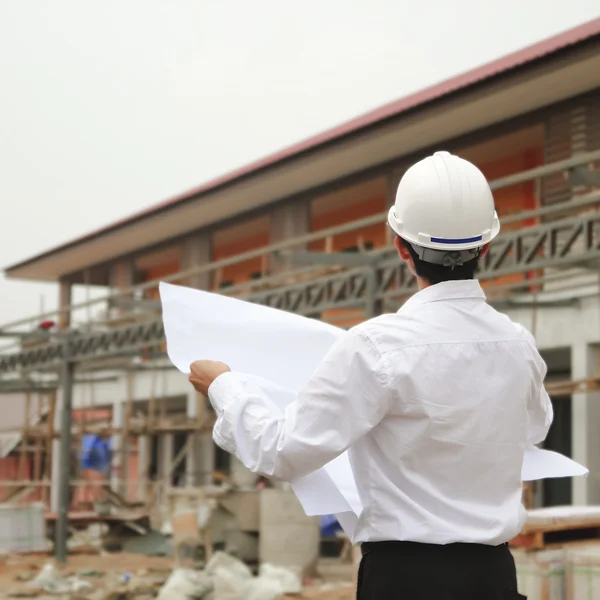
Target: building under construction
<point>304,230</point>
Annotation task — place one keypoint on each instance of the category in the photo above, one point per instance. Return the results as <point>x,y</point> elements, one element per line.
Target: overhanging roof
<point>555,69</point>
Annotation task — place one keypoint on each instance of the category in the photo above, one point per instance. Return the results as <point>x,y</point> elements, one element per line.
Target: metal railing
<point>262,287</point>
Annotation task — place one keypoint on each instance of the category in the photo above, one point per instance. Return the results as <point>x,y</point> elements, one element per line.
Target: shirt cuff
<point>224,390</point>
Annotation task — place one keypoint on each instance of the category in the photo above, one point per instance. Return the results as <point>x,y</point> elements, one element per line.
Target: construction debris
<point>51,581</point>
<point>125,576</point>
<point>186,583</point>
<point>234,581</point>
<point>290,580</point>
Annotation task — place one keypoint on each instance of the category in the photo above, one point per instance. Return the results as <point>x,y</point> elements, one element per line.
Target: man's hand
<point>204,372</point>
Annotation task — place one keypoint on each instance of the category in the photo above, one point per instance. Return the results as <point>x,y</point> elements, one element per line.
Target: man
<point>436,404</point>
<point>95,463</point>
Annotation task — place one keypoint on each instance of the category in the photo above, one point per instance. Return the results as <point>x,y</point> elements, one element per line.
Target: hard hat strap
<point>452,259</point>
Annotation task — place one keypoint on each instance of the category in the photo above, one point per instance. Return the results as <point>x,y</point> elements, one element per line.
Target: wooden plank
<point>138,429</point>
<point>539,537</point>
<point>15,495</point>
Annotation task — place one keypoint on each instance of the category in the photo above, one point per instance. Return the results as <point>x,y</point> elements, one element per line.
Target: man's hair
<point>433,273</point>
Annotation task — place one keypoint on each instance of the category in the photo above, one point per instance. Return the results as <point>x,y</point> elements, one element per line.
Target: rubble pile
<point>223,578</point>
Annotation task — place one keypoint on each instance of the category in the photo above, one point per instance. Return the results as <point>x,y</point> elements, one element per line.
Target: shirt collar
<point>447,290</point>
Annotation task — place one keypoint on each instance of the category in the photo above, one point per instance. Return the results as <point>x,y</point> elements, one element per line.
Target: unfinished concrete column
<point>287,536</point>
<point>200,458</point>
<point>166,445</point>
<point>289,220</point>
<point>143,448</point>
<point>196,250</point>
<point>64,301</point>
<point>585,418</point>
<point>192,456</point>
<point>242,477</point>
<point>122,276</point>
<point>207,453</point>
<point>118,460</point>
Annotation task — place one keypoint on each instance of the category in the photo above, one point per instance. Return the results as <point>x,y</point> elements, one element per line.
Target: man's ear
<point>402,249</point>
<point>405,254</point>
<point>485,250</point>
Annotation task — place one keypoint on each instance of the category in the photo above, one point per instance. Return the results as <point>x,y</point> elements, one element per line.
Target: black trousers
<point>412,571</point>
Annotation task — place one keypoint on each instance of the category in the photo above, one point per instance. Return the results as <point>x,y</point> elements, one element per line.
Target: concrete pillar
<point>122,274</point>
<point>165,457</point>
<point>585,421</point>
<point>118,460</point>
<point>200,459</point>
<point>143,451</point>
<point>289,220</point>
<point>207,453</point>
<point>242,477</point>
<point>64,301</point>
<point>192,457</point>
<point>287,536</point>
<point>196,250</point>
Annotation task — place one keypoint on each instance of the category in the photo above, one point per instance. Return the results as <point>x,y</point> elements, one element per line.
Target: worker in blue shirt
<point>96,456</point>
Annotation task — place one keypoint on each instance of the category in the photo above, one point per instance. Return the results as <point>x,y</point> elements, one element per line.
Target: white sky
<point>108,107</point>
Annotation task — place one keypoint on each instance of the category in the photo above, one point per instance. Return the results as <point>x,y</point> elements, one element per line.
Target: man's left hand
<point>204,372</point>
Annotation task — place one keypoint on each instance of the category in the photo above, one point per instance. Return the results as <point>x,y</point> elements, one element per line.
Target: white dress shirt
<point>435,403</point>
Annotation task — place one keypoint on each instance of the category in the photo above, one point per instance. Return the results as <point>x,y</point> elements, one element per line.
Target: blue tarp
<point>95,453</point>
<point>329,525</point>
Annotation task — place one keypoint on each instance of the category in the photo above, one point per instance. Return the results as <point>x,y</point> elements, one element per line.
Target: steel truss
<point>561,243</point>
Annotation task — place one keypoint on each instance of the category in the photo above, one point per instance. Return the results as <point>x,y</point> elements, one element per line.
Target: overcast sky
<point>108,107</point>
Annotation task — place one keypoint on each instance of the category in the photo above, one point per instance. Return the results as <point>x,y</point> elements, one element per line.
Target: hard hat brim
<point>427,240</point>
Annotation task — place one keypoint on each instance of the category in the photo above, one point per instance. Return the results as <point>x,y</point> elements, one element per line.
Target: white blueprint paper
<point>282,351</point>
<point>546,464</point>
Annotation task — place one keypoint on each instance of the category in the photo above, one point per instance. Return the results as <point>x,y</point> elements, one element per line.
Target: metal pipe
<point>343,228</point>
<point>393,294</point>
<point>536,172</point>
<point>553,209</point>
<point>65,460</point>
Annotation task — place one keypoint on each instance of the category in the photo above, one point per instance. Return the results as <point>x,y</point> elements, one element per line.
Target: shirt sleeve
<point>539,410</point>
<point>346,397</point>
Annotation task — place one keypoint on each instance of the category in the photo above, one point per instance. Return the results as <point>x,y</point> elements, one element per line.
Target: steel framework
<point>560,243</point>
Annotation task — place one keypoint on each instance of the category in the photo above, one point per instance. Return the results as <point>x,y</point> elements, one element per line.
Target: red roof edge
<point>393,109</point>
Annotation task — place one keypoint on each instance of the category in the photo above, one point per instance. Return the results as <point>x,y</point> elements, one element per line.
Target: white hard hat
<point>444,203</point>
